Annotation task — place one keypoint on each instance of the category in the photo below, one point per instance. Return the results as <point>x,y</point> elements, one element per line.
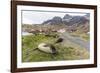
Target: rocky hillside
<point>74,22</point>
<point>68,20</point>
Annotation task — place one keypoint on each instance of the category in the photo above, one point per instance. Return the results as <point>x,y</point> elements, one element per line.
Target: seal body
<point>48,48</point>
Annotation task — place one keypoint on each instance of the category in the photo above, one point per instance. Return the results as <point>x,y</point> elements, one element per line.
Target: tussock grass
<point>84,36</point>
<point>29,43</point>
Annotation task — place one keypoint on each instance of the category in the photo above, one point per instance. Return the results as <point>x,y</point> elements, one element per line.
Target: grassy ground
<point>29,43</point>
<point>84,36</point>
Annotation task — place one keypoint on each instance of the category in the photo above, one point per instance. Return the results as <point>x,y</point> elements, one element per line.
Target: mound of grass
<point>84,36</point>
<point>29,43</point>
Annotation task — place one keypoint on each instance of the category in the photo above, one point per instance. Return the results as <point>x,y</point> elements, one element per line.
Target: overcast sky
<point>38,17</point>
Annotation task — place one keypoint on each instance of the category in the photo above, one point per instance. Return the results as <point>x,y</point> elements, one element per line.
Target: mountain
<point>67,16</point>
<point>55,20</point>
<point>77,20</point>
<point>87,16</point>
<point>68,20</point>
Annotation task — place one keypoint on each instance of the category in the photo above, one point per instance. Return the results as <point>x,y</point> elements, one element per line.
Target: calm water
<point>26,33</point>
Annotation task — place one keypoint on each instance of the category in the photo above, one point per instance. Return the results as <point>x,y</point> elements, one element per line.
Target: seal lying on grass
<point>47,48</point>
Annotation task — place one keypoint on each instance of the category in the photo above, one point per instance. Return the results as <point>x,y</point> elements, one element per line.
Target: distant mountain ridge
<point>68,20</point>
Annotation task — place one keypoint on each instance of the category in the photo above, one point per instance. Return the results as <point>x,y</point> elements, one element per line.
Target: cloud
<point>37,17</point>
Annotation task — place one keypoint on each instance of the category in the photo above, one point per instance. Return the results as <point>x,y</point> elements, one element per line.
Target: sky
<point>38,17</point>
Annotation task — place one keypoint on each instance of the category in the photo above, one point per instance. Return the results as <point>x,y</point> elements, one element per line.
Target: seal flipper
<point>35,49</point>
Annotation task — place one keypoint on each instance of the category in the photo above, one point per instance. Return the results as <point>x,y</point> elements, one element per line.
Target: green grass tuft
<point>30,42</point>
